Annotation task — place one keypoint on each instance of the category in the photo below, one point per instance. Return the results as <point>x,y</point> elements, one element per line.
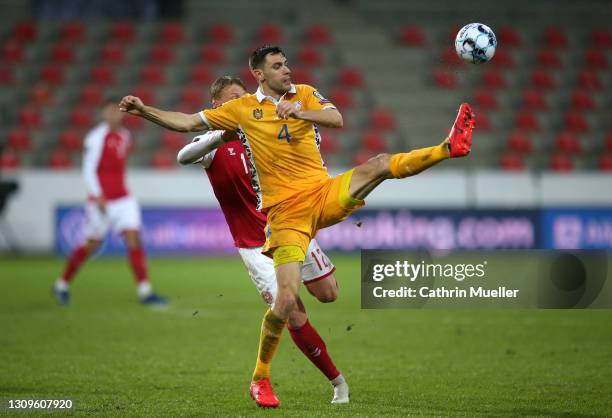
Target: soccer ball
<point>475,43</point>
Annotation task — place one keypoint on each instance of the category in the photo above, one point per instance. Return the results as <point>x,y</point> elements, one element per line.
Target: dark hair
<point>259,55</point>
<point>222,82</point>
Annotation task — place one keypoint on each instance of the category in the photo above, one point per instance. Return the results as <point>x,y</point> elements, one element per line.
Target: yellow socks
<point>271,330</point>
<point>413,162</point>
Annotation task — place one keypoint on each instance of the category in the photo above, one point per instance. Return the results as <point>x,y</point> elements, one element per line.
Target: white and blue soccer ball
<point>475,43</point>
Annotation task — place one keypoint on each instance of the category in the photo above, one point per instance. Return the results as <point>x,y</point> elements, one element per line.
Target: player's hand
<point>101,203</point>
<point>131,104</point>
<point>286,109</point>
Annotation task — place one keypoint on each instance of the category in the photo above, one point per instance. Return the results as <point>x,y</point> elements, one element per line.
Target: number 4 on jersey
<point>284,133</point>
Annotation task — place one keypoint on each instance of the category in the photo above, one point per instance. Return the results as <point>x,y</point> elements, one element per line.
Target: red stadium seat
<point>484,99</point>
<point>29,117</point>
<point>588,79</point>
<point>71,139</point>
<point>568,143</point>
<point>317,35</point>
<point>484,122</point>
<point>309,56</point>
<point>269,34</point>
<point>595,58</point>
<point>605,162</point>
<point>542,79</point>
<point>575,122</point>
<point>24,31</point>
<point>193,97</point>
<point>133,123</point>
<point>212,54</point>
<point>601,38</point>
<point>512,162</point>
<point>247,77</point>
<point>172,33</point>
<point>102,74</point>
<point>113,53</point>
<point>373,143</point>
<point>609,142</point>
<point>52,74</point>
<point>582,100</point>
<point>444,79</point>
<point>60,160</point>
<point>6,76</point>
<point>361,157</point>
<point>173,141</point>
<point>555,38</point>
<point>503,59</point>
<point>81,118</point>
<point>508,36</point>
<point>145,92</point>
<point>12,52</point>
<point>202,75</point>
<point>341,98</point>
<point>162,54</point>
<point>548,58</point>
<point>62,54</point>
<point>221,33</point>
<point>9,160</point>
<point>329,145</point>
<point>412,36</point>
<point>493,79</point>
<point>41,95</point>
<point>350,77</point>
<point>123,32</point>
<point>382,120</point>
<point>561,163</point>
<point>520,143</point>
<point>152,74</point>
<point>449,57</point>
<point>534,99</point>
<point>163,160</point>
<point>73,32</point>
<point>301,75</point>
<point>19,140</point>
<point>91,95</point>
<point>526,121</point>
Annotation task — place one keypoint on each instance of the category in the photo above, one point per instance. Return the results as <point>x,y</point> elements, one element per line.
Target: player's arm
<point>201,147</point>
<point>330,118</point>
<point>175,121</point>
<point>91,159</point>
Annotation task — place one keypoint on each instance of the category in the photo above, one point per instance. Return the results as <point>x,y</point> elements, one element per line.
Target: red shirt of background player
<point>228,171</point>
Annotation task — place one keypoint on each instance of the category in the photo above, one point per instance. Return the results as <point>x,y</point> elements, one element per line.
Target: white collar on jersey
<point>261,96</point>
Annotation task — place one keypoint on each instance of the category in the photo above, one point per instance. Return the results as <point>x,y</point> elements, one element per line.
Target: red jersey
<point>104,161</point>
<point>228,172</point>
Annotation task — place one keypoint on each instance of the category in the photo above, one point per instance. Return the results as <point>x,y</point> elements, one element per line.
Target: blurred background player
<point>228,173</point>
<point>109,204</point>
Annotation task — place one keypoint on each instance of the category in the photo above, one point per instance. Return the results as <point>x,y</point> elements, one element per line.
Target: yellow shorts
<point>296,220</point>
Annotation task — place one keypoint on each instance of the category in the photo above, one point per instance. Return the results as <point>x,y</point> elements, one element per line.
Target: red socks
<point>313,347</point>
<point>138,263</point>
<point>74,262</point>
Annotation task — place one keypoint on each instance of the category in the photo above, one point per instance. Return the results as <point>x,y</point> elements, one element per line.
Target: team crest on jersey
<point>231,151</point>
<point>257,113</point>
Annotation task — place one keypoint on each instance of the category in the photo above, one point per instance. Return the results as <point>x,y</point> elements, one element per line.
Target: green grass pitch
<point>114,357</point>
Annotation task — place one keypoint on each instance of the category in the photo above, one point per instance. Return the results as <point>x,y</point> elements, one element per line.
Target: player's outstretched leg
<point>61,287</point>
<point>369,175</point>
<point>308,340</point>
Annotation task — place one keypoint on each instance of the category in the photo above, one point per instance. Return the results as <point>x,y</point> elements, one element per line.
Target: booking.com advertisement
<point>171,231</point>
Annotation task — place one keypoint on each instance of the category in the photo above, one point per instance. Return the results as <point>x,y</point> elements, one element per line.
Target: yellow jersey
<point>284,156</point>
